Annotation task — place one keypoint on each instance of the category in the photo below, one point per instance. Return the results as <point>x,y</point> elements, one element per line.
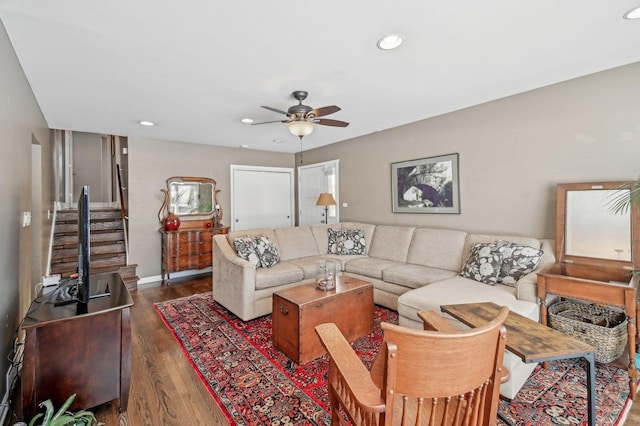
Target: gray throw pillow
<point>517,261</point>
<point>484,263</point>
<point>267,251</point>
<point>246,249</point>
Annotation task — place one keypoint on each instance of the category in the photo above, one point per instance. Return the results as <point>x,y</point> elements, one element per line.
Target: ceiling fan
<point>301,119</point>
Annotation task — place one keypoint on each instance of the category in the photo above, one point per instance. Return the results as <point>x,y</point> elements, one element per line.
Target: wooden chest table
<point>296,312</point>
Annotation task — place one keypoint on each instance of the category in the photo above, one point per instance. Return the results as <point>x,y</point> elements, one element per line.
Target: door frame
<point>335,164</point>
<point>234,167</point>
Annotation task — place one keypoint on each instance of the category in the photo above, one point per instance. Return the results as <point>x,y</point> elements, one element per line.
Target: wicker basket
<point>604,328</point>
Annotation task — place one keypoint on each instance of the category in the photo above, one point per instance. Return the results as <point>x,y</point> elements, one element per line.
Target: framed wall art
<point>427,185</point>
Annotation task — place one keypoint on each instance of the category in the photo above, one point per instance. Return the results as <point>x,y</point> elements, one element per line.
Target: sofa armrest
<point>234,279</point>
<point>527,286</point>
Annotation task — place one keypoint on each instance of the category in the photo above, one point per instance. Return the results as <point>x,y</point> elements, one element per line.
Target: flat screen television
<point>84,237</point>
<point>78,290</point>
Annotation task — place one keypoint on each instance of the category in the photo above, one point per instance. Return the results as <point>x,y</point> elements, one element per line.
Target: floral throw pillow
<point>352,242</point>
<point>484,263</point>
<point>517,261</point>
<point>334,236</point>
<point>266,250</point>
<point>246,249</point>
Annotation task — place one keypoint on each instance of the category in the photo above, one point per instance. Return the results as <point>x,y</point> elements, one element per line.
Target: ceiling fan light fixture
<point>301,128</point>
<point>632,14</point>
<point>390,42</point>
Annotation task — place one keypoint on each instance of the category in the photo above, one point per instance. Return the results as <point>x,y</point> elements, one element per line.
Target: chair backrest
<point>454,376</point>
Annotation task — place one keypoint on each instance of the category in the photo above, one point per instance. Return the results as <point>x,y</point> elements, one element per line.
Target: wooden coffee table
<point>532,341</point>
<point>297,311</point>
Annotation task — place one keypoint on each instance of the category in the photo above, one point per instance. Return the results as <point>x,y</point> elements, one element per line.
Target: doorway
<point>313,180</point>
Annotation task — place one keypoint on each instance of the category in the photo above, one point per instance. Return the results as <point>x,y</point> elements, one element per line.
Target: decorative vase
<point>172,222</point>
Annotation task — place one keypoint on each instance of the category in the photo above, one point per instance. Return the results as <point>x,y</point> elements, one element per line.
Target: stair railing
<point>124,214</point>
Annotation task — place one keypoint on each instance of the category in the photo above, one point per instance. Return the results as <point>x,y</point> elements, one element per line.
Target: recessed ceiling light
<point>390,42</point>
<point>632,14</point>
<point>244,146</point>
<point>146,123</point>
<point>247,120</point>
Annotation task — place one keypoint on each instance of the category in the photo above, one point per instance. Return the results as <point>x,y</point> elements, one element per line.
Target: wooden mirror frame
<point>587,266</point>
<point>215,212</point>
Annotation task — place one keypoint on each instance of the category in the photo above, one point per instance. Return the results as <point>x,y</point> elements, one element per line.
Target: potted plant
<point>62,417</point>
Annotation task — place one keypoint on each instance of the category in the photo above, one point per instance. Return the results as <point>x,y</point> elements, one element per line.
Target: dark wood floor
<point>164,387</point>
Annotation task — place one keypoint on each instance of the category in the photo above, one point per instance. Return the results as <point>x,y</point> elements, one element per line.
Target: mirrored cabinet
<point>597,253</point>
<point>190,215</point>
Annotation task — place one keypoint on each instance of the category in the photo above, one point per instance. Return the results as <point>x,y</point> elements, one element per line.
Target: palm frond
<point>627,196</point>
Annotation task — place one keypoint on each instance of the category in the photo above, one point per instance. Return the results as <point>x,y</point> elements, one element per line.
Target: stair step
<point>96,266</point>
<point>95,238</point>
<point>94,214</point>
<point>94,227</point>
<point>97,250</point>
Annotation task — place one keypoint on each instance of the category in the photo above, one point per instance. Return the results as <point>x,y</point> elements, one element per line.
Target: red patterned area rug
<point>256,384</point>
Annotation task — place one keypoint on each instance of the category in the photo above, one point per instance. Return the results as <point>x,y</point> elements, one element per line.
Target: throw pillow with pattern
<point>353,242</point>
<point>484,263</point>
<point>517,261</point>
<point>246,249</point>
<point>334,235</point>
<point>266,250</point>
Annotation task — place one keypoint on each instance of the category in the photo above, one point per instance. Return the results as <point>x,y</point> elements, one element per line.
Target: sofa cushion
<point>352,241</point>
<point>517,261</point>
<point>309,265</point>
<point>415,276</point>
<point>266,250</point>
<point>462,290</point>
<point>438,248</point>
<point>246,249</point>
<point>391,242</point>
<point>282,273</point>
<point>295,242</point>
<point>369,266</point>
<point>484,263</point>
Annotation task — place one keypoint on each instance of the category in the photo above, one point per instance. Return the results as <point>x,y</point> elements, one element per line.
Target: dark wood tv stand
<point>88,353</point>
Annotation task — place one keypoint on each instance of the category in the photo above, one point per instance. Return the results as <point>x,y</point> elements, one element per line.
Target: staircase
<point>108,248</point>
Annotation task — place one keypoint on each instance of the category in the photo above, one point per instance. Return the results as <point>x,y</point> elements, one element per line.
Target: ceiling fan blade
<point>329,122</point>
<point>275,110</point>
<point>321,112</point>
<point>274,121</point>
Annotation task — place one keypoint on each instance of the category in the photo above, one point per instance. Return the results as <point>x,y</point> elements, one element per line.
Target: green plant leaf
<point>627,196</point>
<point>49,411</point>
<point>64,407</point>
<point>64,420</point>
<point>35,418</point>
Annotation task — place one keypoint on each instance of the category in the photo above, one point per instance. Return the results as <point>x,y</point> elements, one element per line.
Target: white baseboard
<point>155,280</point>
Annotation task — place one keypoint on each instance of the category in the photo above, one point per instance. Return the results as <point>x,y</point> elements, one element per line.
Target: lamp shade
<point>326,199</point>
<point>301,128</point>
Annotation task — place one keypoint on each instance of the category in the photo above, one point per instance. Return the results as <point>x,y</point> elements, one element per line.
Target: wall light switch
<point>345,204</point>
<point>26,219</point>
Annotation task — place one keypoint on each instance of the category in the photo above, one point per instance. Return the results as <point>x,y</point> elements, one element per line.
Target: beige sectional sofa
<point>411,269</point>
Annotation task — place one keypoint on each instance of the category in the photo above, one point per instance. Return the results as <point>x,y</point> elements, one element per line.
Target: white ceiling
<point>198,67</point>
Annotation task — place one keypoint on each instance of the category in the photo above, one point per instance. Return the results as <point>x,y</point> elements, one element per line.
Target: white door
<point>313,180</point>
<point>261,197</point>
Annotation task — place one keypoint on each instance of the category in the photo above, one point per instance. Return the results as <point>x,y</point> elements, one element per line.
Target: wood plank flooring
<point>164,387</point>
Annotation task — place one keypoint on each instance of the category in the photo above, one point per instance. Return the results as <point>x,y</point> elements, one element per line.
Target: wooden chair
<point>419,376</point>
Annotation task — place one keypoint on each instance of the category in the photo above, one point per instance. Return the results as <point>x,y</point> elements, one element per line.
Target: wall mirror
<point>191,196</point>
<point>589,232</point>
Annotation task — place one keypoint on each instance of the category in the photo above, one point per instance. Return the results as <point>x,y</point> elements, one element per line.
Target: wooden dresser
<point>187,248</point>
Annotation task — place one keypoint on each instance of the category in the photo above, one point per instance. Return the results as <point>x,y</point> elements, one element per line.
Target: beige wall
<point>151,162</point>
<point>21,124</point>
<point>513,152</point>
